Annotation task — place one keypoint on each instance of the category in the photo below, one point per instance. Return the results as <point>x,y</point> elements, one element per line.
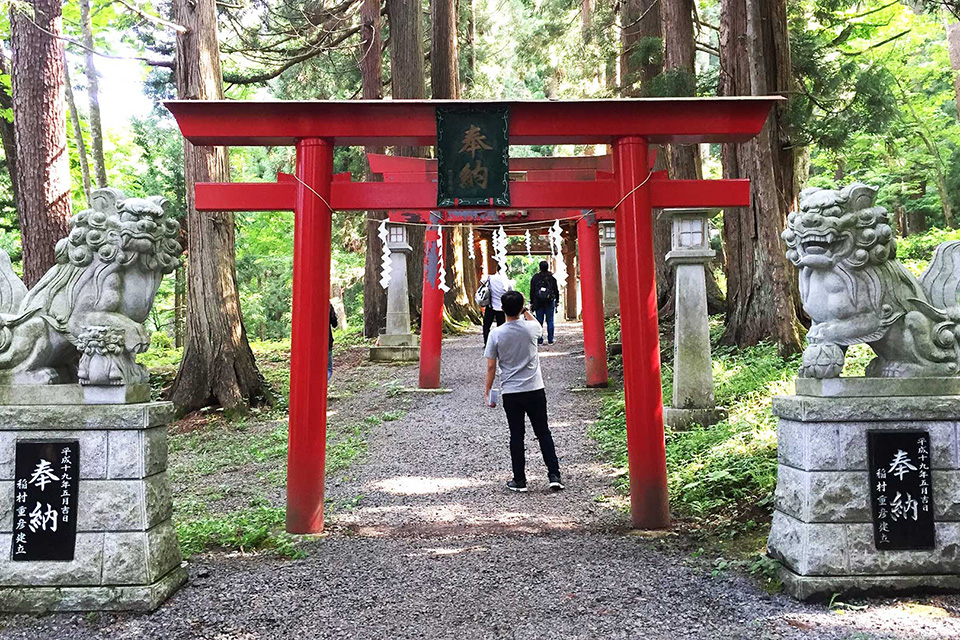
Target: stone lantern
<point>693,401</point>
<point>397,343</point>
<point>608,269</point>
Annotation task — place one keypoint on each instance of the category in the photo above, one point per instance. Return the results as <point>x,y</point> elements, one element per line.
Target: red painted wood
<point>385,164</point>
<point>431,319</point>
<point>530,196</point>
<point>413,122</point>
<point>649,504</point>
<point>591,290</point>
<point>309,339</point>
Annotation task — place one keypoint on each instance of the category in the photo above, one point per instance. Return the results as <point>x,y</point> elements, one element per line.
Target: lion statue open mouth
<point>83,321</point>
<point>855,291</point>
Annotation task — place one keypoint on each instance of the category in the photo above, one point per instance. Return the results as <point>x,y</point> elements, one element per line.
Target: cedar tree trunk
<point>218,365</point>
<point>40,130</point>
<point>761,284</point>
<point>371,75</point>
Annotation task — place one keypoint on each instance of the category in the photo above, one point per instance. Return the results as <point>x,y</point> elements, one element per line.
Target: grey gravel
<point>438,549</point>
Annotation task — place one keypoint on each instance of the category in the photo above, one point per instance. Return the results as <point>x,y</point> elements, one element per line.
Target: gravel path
<point>438,549</point>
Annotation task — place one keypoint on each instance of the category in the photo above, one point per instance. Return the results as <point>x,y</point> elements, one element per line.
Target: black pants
<point>533,404</point>
<point>489,316</point>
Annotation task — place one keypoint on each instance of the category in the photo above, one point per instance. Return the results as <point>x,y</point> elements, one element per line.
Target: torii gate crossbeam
<point>630,126</point>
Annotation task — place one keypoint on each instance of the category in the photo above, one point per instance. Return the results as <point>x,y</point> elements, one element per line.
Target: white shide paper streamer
<point>386,268</point>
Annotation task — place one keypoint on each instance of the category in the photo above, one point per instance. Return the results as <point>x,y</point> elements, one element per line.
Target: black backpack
<point>543,292</point>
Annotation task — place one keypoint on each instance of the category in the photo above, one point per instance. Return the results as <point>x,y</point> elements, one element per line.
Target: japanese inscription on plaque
<point>46,482</point>
<point>473,156</point>
<point>901,489</point>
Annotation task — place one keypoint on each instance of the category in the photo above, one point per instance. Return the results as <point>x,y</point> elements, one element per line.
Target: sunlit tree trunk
<point>77,131</point>
<point>7,136</point>
<point>218,365</point>
<point>93,95</point>
<point>40,131</point>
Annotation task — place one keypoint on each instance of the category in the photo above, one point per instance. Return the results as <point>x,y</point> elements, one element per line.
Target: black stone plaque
<point>473,156</point>
<point>46,483</point>
<point>901,489</point>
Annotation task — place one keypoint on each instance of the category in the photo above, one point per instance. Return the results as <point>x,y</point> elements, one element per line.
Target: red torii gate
<point>315,127</point>
<point>534,169</point>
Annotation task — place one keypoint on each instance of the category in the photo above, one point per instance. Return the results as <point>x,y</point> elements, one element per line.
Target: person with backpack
<point>496,285</point>
<point>544,298</point>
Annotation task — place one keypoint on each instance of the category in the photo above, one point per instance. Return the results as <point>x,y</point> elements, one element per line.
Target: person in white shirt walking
<point>498,284</point>
<point>514,347</point>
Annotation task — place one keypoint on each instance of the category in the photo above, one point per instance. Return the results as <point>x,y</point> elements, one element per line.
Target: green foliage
<point>921,245</point>
<point>724,474</point>
<point>258,528</point>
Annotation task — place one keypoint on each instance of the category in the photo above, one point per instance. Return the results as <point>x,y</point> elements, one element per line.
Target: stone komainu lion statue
<point>93,302</point>
<point>855,291</point>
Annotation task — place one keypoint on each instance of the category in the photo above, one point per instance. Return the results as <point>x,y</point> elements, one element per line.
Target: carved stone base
<point>107,598</point>
<point>680,419</point>
<point>394,354</point>
<point>126,554</point>
<point>823,587</point>
<point>822,528</point>
<point>72,394</point>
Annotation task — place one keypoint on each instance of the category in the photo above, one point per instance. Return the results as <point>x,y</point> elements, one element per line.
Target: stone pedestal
<point>693,401</point>
<point>823,530</point>
<point>608,269</point>
<point>397,343</point>
<point>126,555</point>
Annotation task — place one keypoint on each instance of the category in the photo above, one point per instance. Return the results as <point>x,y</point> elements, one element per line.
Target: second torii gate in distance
<point>630,126</point>
<point>533,169</point>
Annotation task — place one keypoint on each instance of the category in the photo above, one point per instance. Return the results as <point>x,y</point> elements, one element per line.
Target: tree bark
<point>409,83</point>
<point>953,47</point>
<point>761,285</point>
<point>7,136</point>
<point>371,79</point>
<point>40,128</point>
<point>93,94</point>
<point>641,42</point>
<point>445,85</point>
<point>218,366</point>
<point>77,131</point>
<point>444,51</point>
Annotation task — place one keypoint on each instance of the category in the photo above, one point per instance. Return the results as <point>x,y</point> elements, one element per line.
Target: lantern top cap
<point>413,122</point>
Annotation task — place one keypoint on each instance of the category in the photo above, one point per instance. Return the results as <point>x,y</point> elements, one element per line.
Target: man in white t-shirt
<point>499,284</point>
<point>514,347</point>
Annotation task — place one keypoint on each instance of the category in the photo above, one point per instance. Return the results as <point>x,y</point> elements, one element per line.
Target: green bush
<point>921,246</point>
<point>259,528</point>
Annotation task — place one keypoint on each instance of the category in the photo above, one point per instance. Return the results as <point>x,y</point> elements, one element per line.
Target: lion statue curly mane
<point>83,321</point>
<point>855,291</point>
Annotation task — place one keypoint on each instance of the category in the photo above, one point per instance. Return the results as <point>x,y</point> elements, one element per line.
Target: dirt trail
<point>438,549</point>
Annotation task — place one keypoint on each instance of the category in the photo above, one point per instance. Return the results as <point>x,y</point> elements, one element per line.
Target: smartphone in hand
<point>492,397</point>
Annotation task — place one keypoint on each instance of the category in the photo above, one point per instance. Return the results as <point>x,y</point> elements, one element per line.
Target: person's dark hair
<point>512,302</point>
<point>543,265</point>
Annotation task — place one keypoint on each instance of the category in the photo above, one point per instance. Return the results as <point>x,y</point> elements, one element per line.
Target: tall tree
<point>77,131</point>
<point>40,131</point>
<point>371,80</point>
<point>218,365</point>
<point>408,82</point>
<point>7,136</point>
<point>641,56</point>
<point>761,285</point>
<point>93,95</point>
<point>445,85</point>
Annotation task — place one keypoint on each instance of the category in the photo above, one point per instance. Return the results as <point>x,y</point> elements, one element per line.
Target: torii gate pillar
<point>591,291</point>
<point>309,337</point>
<point>649,505</point>
<point>431,316</point>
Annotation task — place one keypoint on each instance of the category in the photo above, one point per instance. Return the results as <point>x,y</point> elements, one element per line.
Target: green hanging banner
<point>473,156</point>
